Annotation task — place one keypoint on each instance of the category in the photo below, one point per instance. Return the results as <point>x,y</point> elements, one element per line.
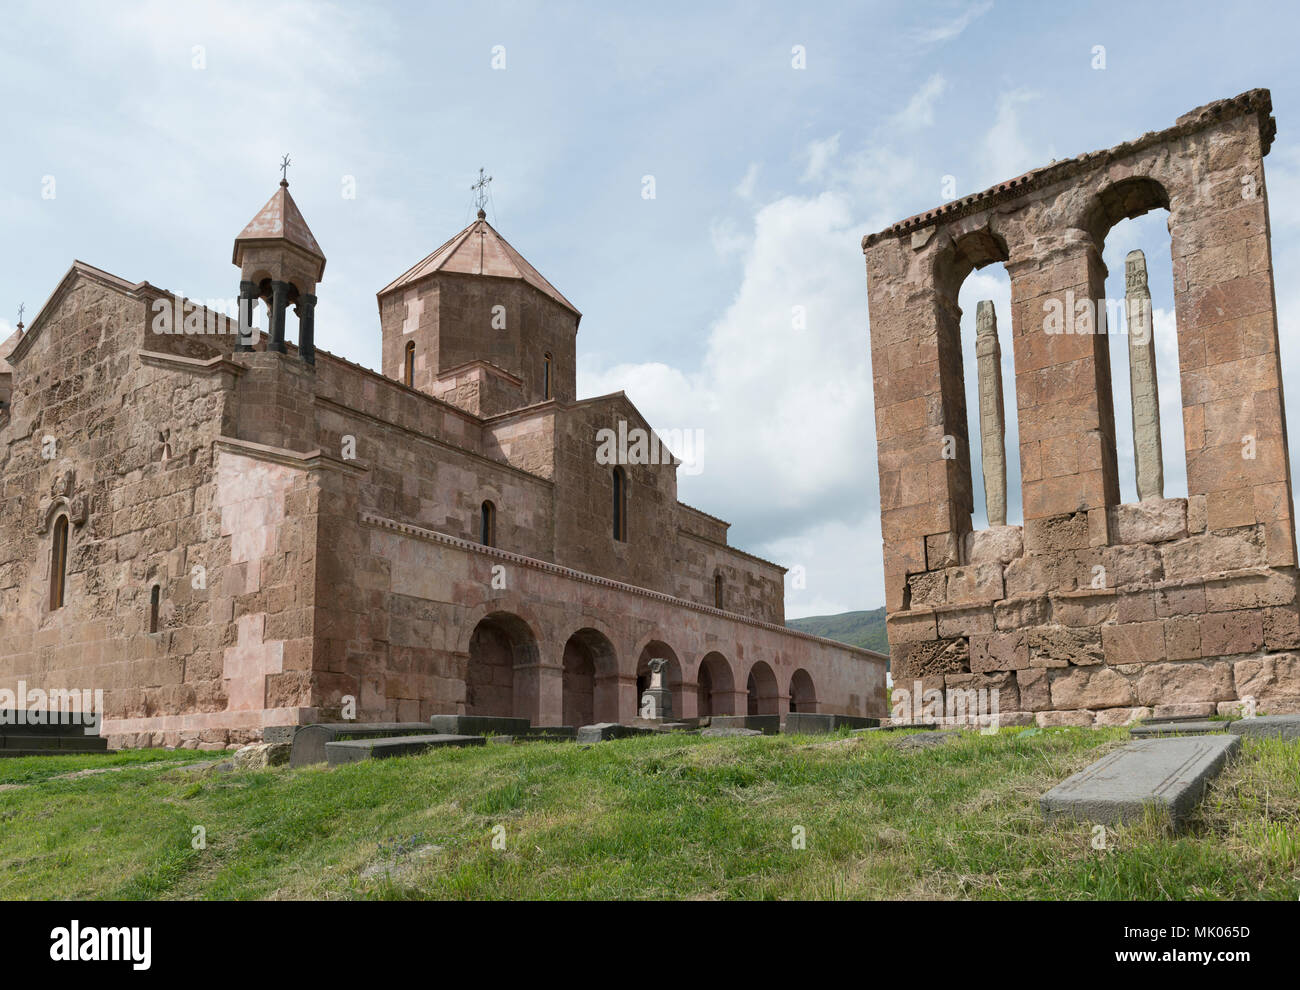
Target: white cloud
<point>1007,152</point>
<point>946,29</point>
<point>786,413</point>
<point>919,111</point>
<point>745,188</point>
<point>820,154</point>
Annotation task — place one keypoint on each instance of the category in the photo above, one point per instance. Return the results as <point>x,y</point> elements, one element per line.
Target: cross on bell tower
<point>279,263</point>
<point>480,190</point>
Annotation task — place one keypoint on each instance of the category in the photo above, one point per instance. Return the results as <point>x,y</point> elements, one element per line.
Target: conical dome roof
<point>480,250</point>
<point>280,219</point>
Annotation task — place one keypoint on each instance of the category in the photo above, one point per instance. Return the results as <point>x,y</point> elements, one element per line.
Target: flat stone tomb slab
<point>355,750</point>
<point>809,723</point>
<point>1268,727</point>
<point>310,740</point>
<point>1169,774</point>
<point>1190,727</point>
<point>474,725</point>
<point>769,725</point>
<point>601,731</point>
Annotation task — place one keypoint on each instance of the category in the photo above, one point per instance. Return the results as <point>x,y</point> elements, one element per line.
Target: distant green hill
<point>866,629</point>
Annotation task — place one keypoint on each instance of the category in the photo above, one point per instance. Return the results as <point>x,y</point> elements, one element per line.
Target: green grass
<point>650,817</point>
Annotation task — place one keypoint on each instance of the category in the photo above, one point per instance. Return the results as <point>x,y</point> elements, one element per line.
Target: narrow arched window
<point>155,593</point>
<point>620,504</point>
<point>717,589</point>
<point>488,524</point>
<point>408,370</point>
<point>58,562</point>
<point>546,376</point>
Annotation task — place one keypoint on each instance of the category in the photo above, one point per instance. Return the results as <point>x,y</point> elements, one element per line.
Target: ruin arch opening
<point>971,270</point>
<point>761,686</point>
<point>502,643</point>
<point>803,695</point>
<point>589,689</point>
<point>1134,324</point>
<point>715,686</point>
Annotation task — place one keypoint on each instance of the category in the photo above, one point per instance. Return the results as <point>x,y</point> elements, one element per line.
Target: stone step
<point>1189,727</point>
<point>381,748</point>
<point>1267,727</point>
<point>310,740</point>
<point>1170,774</point>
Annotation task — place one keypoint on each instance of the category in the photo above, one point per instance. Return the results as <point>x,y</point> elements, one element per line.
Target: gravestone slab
<point>1267,727</point>
<point>811,723</point>
<point>601,731</point>
<point>1170,774</point>
<point>310,740</point>
<point>478,725</point>
<point>769,725</point>
<point>355,750</point>
<point>721,732</point>
<point>279,733</point>
<point>1187,727</point>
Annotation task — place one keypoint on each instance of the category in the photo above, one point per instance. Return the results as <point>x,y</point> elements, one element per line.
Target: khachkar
<point>1092,611</point>
<point>1148,460</point>
<point>993,444</point>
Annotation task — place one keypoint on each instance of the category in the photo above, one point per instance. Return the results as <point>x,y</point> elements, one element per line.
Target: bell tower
<point>279,263</point>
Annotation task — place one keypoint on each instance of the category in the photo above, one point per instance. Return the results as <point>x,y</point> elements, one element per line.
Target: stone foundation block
<point>1058,646</point>
<point>1016,613</point>
<point>1155,520</point>
<point>1267,676</point>
<point>996,545</point>
<point>1091,687</point>
<point>1174,683</point>
<point>1121,716</point>
<point>1227,633</point>
<point>944,656</point>
<point>1134,642</point>
<point>1049,720</point>
<point>998,651</point>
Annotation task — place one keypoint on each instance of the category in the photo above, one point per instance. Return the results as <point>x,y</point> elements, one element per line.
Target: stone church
<point>224,530</point>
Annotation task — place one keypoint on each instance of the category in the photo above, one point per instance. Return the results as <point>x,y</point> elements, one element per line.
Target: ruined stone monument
<point>657,701</point>
<point>1093,611</point>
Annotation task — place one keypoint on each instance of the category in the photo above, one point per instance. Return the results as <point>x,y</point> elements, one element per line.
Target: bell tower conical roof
<point>280,220</point>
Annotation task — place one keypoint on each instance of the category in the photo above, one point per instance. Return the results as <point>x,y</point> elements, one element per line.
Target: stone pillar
<point>279,303</point>
<point>539,692</point>
<point>1063,394</point>
<point>993,431</point>
<point>1143,387</point>
<point>306,310</point>
<point>247,306</point>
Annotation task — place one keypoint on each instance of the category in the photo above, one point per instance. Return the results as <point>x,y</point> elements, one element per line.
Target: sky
<point>732,302</point>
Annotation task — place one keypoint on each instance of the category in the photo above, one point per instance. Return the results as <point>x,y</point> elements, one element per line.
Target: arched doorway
<point>500,644</point>
<point>762,690</point>
<point>716,686</point>
<point>672,676</point>
<point>590,686</point>
<point>803,697</point>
